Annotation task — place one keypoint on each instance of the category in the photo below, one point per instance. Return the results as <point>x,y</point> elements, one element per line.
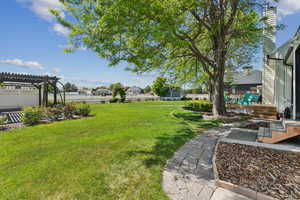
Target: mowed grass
<point>118,154</point>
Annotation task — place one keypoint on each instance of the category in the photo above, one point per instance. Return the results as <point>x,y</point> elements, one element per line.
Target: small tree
<point>147,89</point>
<point>160,86</point>
<point>118,89</point>
<point>69,87</point>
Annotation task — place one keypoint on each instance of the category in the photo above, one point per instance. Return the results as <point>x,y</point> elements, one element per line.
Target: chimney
<point>269,45</point>
<point>270,12</point>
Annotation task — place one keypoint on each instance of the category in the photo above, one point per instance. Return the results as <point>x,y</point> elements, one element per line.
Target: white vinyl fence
<point>18,98</point>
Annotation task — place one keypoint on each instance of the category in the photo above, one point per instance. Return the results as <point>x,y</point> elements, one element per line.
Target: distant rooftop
<point>253,77</point>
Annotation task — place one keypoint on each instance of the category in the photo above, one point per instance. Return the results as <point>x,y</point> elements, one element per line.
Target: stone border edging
<point>243,191</point>
<point>215,169</point>
<point>278,147</point>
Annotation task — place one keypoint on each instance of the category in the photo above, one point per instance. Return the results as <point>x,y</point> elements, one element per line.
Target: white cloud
<point>60,29</point>
<point>56,70</point>
<point>24,64</point>
<point>288,7</point>
<point>41,7</point>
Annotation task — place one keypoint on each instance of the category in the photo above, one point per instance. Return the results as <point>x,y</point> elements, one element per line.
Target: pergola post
<point>40,95</point>
<point>45,94</point>
<point>55,92</point>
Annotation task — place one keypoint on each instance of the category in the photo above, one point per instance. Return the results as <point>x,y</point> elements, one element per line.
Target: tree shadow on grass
<point>166,145</point>
<point>206,124</point>
<point>189,116</point>
<point>196,120</point>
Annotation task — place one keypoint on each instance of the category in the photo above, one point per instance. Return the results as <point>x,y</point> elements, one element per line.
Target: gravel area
<point>271,172</point>
<point>11,126</point>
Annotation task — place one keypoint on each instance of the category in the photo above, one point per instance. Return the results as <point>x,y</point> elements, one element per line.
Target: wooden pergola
<point>40,82</point>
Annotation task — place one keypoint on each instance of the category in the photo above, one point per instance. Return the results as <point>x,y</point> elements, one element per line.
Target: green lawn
<point>118,154</point>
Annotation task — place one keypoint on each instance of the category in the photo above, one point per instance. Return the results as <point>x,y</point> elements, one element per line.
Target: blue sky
<point>31,42</point>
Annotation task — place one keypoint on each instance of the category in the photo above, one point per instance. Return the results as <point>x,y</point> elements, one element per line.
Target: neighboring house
<point>134,91</point>
<point>102,92</point>
<point>173,94</point>
<point>248,80</point>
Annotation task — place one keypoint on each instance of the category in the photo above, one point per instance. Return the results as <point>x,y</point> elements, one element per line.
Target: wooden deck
<point>261,111</point>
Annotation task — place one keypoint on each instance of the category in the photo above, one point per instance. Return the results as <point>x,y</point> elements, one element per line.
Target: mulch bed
<point>271,172</point>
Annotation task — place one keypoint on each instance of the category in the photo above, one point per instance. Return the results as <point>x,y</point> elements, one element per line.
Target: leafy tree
<point>160,86</point>
<point>69,87</point>
<point>147,89</point>
<point>118,89</point>
<point>155,34</point>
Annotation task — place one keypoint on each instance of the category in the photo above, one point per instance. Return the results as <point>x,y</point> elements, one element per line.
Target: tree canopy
<point>70,87</point>
<point>160,86</point>
<point>118,89</point>
<point>162,34</point>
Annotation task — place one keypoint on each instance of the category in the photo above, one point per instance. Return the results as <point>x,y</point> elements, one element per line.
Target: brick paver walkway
<point>188,175</point>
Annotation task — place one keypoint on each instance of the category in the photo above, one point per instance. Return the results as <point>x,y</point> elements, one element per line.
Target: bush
<point>83,110</point>
<point>32,115</point>
<point>3,120</point>
<point>69,110</point>
<point>200,105</point>
<point>53,113</point>
<point>184,98</point>
<point>122,100</point>
<point>113,100</point>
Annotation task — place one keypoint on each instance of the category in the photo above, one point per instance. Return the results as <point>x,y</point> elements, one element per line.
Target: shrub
<point>83,109</point>
<point>69,110</point>
<point>200,105</point>
<point>32,115</point>
<point>185,98</point>
<point>122,100</point>
<point>113,100</point>
<point>3,120</point>
<point>53,113</point>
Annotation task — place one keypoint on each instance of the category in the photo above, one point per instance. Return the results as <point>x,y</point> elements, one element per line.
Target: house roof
<point>284,50</point>
<point>134,89</point>
<point>103,90</point>
<point>247,78</point>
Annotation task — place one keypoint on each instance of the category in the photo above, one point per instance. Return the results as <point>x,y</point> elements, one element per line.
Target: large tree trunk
<point>210,90</point>
<point>218,98</point>
<point>218,91</point>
